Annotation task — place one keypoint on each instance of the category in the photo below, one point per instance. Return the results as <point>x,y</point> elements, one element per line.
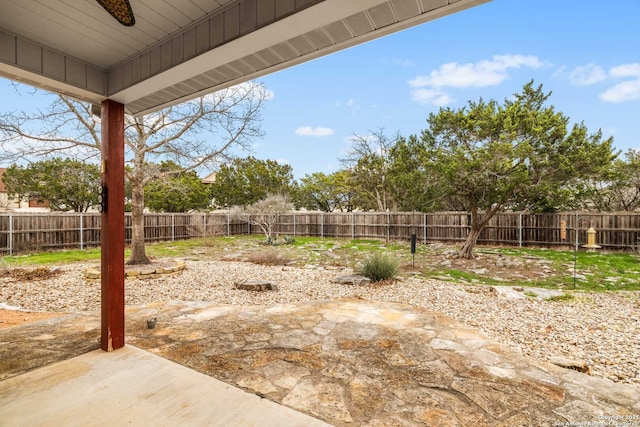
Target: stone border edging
<point>142,273</point>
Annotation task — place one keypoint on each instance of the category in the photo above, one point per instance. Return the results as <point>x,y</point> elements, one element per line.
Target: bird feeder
<point>591,241</point>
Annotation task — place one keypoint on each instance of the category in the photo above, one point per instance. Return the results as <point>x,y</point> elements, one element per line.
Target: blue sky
<point>587,52</point>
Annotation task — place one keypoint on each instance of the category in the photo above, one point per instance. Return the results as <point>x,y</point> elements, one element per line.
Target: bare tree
<point>266,213</point>
<point>368,162</point>
<point>4,204</point>
<point>199,133</point>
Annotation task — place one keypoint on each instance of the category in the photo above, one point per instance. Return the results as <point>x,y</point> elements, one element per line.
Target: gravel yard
<point>601,329</point>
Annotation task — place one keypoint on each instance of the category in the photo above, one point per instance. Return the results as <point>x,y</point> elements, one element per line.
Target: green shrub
<point>379,267</point>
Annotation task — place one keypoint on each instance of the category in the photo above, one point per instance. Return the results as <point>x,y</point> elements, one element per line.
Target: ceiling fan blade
<point>119,9</point>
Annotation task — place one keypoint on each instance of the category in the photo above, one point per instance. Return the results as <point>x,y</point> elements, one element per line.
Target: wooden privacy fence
<point>21,232</point>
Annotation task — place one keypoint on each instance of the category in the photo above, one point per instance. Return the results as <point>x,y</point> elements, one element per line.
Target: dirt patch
<point>23,274</point>
<point>9,318</point>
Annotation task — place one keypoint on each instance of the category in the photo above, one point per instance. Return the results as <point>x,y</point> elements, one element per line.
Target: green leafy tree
<point>19,182</point>
<point>520,154</point>
<point>243,182</point>
<point>67,184</point>
<point>327,193</point>
<point>176,191</point>
<point>412,184</point>
<point>618,189</point>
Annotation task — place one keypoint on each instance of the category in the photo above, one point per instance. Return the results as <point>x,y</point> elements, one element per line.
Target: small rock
<point>352,279</point>
<point>565,362</point>
<point>330,254</point>
<point>256,285</point>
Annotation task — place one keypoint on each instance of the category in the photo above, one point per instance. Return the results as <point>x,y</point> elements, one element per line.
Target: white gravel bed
<point>601,329</point>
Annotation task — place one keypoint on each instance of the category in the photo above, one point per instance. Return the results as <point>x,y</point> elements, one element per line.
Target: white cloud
<point>626,70</point>
<point>350,103</point>
<point>404,63</point>
<point>269,94</point>
<point>625,91</point>
<point>479,74</point>
<point>431,96</point>
<point>621,91</point>
<point>428,89</point>
<point>316,132</point>
<point>560,72</point>
<point>587,75</point>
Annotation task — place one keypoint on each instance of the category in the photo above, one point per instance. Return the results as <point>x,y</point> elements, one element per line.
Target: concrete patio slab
<point>133,387</point>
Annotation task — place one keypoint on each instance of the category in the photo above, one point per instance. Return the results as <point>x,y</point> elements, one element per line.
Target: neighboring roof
<point>179,49</point>
<point>210,179</point>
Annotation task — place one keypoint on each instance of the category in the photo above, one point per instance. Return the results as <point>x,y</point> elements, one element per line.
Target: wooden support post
<point>112,227</point>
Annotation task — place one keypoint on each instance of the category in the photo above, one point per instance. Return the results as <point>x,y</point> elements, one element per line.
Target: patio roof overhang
<point>181,49</point>
<point>177,50</point>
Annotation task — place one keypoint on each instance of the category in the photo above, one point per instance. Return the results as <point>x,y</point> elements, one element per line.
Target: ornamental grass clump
<point>268,258</point>
<point>379,267</point>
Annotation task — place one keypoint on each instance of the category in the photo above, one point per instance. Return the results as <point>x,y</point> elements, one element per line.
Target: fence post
<point>229,222</point>
<point>204,225</point>
<point>81,231</point>
<point>576,227</point>
<point>294,224</point>
<point>388,226</point>
<point>520,230</point>
<point>425,229</point>
<point>10,236</point>
<point>353,225</point>
<point>249,225</point>
<point>173,227</point>
<point>322,225</point>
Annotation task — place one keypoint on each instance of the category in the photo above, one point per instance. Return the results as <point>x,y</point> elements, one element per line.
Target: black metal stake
<point>413,251</point>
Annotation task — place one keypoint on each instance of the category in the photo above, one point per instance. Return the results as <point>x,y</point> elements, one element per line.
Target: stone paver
<point>362,363</point>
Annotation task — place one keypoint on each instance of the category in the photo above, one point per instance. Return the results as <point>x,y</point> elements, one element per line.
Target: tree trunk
<point>477,225</point>
<point>466,251</point>
<point>138,253</point>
